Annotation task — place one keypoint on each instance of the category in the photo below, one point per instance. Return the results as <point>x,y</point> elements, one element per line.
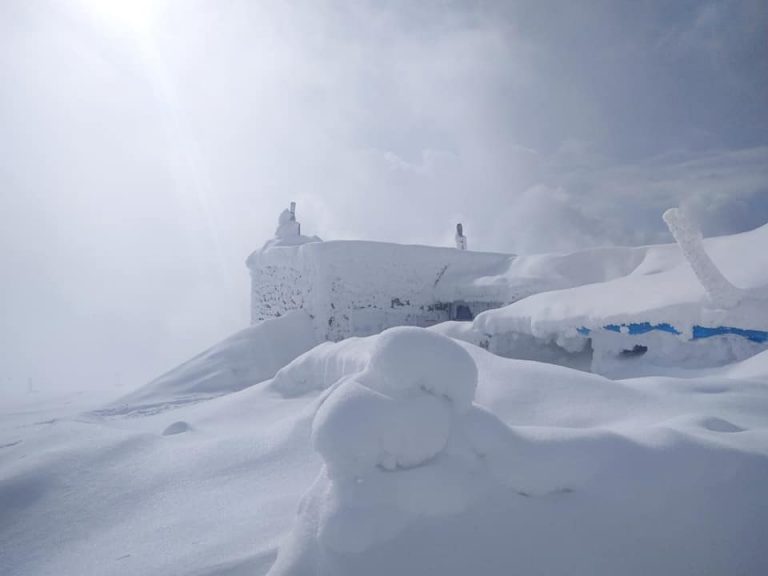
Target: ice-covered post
<point>287,226</point>
<point>293,218</point>
<point>461,240</point>
<point>720,291</point>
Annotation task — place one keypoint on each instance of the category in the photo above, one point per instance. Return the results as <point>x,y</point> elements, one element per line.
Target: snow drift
<point>421,467</point>
<point>417,479</point>
<point>248,357</point>
<point>659,310</point>
<point>394,445</point>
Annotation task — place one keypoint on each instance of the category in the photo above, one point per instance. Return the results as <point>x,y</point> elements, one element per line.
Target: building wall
<point>361,288</point>
<point>276,290</point>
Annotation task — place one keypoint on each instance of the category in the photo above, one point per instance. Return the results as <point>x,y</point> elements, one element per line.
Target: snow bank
<point>643,476</point>
<point>401,406</point>
<point>660,306</point>
<point>406,361</point>
<point>418,480</point>
<point>246,358</point>
<point>393,444</point>
<point>323,367</point>
<point>131,495</point>
<point>755,367</point>
<point>543,272</point>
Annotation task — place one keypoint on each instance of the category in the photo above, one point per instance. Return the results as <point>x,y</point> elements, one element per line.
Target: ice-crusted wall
<point>275,291</point>
<point>359,288</point>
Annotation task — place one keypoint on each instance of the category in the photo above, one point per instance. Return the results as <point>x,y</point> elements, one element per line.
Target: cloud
<point>137,172</point>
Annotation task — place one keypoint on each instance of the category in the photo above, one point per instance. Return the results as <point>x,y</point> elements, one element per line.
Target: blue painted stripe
<point>699,332</point>
<point>644,327</point>
<point>759,336</point>
<point>636,328</point>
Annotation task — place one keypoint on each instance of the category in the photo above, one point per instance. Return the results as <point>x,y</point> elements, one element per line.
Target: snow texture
<point>244,359</point>
<point>655,475</point>
<point>400,406</point>
<point>429,454</point>
<point>486,489</point>
<point>354,288</point>
<point>559,308</point>
<point>288,232</point>
<point>393,444</point>
<point>659,309</point>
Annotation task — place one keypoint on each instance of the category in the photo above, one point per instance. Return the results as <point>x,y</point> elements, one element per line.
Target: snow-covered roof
<point>662,288</point>
<point>460,275</point>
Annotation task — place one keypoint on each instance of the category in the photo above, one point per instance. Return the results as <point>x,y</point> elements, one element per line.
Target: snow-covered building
<point>356,288</point>
<point>675,306</point>
<point>610,310</point>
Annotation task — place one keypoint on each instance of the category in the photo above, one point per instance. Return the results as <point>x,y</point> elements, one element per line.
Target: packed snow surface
<point>429,456</point>
<point>248,357</point>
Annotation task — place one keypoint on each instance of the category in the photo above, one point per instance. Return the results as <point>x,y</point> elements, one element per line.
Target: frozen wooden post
<point>293,218</point>
<point>461,240</point>
<point>287,226</point>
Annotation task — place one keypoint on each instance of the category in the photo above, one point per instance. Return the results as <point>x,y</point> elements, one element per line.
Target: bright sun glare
<point>134,17</point>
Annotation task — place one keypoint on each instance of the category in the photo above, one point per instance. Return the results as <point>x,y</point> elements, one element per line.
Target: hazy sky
<point>146,147</point>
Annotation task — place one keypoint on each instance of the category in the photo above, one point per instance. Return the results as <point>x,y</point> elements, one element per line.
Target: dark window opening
<point>638,350</point>
<point>463,313</point>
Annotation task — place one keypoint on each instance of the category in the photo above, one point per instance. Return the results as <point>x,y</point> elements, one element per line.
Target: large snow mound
<point>411,486</point>
<point>420,468</point>
<point>400,406</point>
<point>321,369</point>
<point>393,443</point>
<point>246,358</point>
<point>406,361</point>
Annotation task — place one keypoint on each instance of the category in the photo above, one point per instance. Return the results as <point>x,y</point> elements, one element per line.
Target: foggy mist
<point>148,147</point>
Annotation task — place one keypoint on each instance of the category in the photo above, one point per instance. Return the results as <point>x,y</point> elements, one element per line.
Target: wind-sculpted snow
<point>419,480</point>
<point>662,293</point>
<point>244,359</point>
<point>323,366</point>
<point>408,361</point>
<point>401,407</point>
<point>395,448</point>
<point>550,471</point>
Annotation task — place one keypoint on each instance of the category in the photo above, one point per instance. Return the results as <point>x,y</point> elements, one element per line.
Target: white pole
<point>721,292</point>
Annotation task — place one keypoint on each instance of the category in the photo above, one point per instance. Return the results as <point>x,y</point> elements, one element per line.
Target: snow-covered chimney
<point>721,292</point>
<point>461,240</point>
<point>287,226</point>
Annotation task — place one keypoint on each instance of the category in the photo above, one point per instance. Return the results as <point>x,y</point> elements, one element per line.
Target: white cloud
<point>135,177</point>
